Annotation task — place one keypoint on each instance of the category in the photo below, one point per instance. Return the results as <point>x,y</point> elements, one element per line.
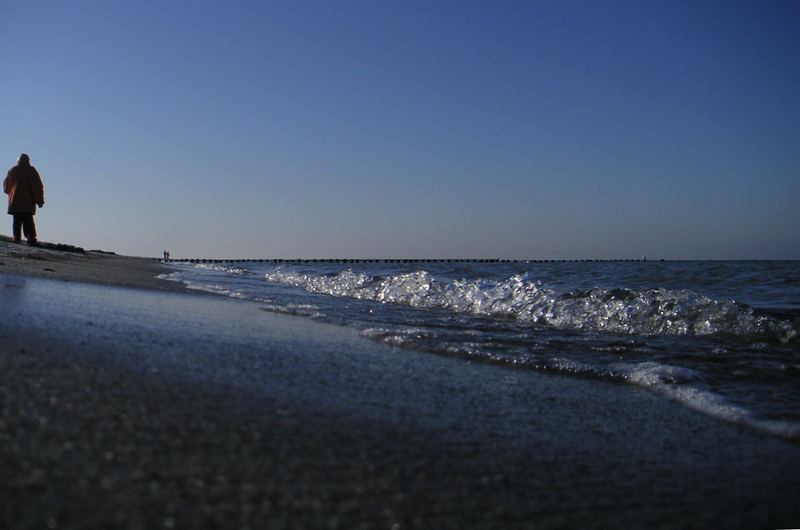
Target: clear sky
<point>532,129</point>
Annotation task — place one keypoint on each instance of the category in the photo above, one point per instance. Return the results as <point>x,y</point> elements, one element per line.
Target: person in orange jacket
<point>25,191</point>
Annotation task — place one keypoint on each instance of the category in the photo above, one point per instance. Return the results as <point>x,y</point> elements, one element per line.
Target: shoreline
<point>74,264</point>
<point>142,408</point>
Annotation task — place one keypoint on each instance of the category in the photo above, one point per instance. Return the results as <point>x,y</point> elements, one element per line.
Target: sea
<point>719,337</point>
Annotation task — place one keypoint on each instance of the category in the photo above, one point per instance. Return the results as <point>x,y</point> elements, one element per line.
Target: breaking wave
<point>654,311</point>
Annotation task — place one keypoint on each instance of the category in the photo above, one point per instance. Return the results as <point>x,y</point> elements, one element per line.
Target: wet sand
<point>154,408</point>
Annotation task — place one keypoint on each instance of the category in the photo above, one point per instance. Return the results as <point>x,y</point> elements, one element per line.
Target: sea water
<point>721,337</point>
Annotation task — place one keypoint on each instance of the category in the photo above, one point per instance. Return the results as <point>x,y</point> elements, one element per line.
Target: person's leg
<point>29,227</point>
<point>16,227</point>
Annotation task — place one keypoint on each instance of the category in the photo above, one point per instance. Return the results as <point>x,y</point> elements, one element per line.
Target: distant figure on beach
<point>25,191</point>
<point>166,255</point>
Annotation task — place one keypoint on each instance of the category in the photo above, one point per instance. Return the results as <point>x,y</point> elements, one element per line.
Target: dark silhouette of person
<point>25,191</point>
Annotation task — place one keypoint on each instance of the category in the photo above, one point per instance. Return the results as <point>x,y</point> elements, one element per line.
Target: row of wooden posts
<point>413,260</point>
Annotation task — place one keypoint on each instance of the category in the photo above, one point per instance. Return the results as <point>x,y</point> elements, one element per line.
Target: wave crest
<point>655,311</point>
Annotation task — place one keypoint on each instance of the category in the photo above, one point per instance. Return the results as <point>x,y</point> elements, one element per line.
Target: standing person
<point>24,188</point>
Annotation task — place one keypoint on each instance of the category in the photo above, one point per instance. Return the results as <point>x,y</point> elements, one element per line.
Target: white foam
<point>303,310</point>
<point>623,311</point>
<point>221,268</point>
<point>684,386</point>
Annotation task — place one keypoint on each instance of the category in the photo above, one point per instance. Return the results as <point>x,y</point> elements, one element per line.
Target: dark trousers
<point>24,222</point>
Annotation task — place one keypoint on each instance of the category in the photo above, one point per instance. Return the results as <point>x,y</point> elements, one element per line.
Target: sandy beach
<point>71,263</point>
<point>127,402</point>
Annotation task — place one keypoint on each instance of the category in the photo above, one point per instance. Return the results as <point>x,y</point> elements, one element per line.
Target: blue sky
<point>531,129</point>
